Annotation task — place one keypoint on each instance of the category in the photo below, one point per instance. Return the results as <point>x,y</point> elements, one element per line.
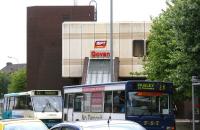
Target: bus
<point>45,105</point>
<point>147,102</point>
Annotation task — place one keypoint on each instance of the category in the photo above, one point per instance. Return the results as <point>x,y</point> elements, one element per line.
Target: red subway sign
<point>100,54</point>
<point>100,44</point>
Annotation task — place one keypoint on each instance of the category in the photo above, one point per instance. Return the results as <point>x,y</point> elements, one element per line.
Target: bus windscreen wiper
<point>48,104</point>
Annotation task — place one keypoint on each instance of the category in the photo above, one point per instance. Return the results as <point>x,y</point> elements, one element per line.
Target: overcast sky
<point>13,20</point>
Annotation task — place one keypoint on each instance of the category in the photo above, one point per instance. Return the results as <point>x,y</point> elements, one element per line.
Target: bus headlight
<point>170,128</point>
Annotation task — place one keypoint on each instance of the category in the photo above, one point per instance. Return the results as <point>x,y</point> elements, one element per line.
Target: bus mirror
<point>165,111</point>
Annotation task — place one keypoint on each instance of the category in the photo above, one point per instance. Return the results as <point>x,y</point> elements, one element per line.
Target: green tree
<point>18,81</point>
<point>174,45</point>
<point>4,81</point>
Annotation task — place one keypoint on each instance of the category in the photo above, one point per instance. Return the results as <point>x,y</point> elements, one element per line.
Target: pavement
<point>186,124</point>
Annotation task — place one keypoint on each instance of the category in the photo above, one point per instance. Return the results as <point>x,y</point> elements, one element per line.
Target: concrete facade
<point>79,40</point>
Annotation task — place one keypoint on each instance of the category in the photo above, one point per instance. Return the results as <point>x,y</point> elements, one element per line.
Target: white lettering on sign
<point>93,89</point>
<point>100,44</point>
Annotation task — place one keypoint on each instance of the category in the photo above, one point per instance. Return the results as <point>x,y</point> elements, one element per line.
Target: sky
<point>13,20</point>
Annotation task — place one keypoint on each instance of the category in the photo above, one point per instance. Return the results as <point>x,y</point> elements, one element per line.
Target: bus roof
<point>29,93</point>
<point>110,83</point>
<point>83,85</point>
<point>145,85</point>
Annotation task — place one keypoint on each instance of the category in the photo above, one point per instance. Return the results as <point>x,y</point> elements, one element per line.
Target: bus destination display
<point>46,92</point>
<point>151,86</point>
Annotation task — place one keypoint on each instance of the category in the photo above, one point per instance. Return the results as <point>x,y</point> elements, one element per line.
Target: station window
<point>138,48</point>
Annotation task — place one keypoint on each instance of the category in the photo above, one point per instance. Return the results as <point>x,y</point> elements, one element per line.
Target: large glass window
<point>47,103</point>
<point>23,102</point>
<point>108,101</point>
<point>139,104</point>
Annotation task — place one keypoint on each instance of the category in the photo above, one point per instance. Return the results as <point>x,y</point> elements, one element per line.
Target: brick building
<point>44,43</point>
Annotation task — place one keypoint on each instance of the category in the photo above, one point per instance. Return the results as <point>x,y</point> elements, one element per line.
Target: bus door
<point>74,105</point>
<point>68,113</point>
<point>78,107</point>
<point>7,109</point>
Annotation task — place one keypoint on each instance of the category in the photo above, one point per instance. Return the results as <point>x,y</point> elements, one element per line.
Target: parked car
<point>22,124</point>
<point>99,125</point>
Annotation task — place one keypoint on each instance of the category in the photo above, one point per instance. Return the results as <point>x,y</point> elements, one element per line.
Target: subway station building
<point>86,51</point>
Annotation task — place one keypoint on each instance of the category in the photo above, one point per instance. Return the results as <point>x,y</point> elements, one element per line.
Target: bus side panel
<point>22,114</point>
<point>69,113</point>
<point>7,114</point>
<point>97,116</point>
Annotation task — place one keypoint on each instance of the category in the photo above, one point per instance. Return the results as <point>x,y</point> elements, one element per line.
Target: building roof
<point>10,67</point>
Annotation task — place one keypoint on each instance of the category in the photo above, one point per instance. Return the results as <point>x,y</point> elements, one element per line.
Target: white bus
<point>147,102</point>
<point>45,105</point>
<point>90,102</point>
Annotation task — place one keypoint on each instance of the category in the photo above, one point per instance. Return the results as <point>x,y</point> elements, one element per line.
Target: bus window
<point>11,103</point>
<point>5,107</point>
<point>70,100</point>
<point>66,100</point>
<point>78,103</point>
<point>142,105</point>
<point>29,103</point>
<point>87,101</point>
<point>108,102</point>
<point>97,102</point>
<point>118,101</point>
<point>23,102</point>
<point>164,106</point>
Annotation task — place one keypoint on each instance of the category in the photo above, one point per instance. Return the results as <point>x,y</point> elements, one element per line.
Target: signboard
<point>46,92</point>
<point>149,86</point>
<point>93,89</point>
<point>100,54</point>
<point>92,116</point>
<point>100,44</point>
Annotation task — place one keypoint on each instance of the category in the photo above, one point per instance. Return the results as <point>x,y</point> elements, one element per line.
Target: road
<point>185,124</point>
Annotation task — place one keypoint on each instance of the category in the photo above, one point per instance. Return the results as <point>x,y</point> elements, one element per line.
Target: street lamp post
<point>111,40</point>
<point>195,82</point>
<point>93,2</point>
